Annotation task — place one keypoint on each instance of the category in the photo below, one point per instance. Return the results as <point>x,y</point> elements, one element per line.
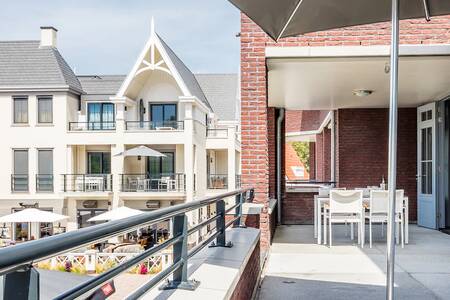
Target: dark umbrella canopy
<point>284,18</point>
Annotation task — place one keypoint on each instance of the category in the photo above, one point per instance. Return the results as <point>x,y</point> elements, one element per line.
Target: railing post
<point>238,211</point>
<point>64,183</point>
<point>220,227</point>
<point>83,188</point>
<point>180,253</point>
<point>21,285</point>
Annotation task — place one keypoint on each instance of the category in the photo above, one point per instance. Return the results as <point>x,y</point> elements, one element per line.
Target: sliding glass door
<point>99,162</point>
<point>161,166</point>
<point>163,115</point>
<point>101,116</point>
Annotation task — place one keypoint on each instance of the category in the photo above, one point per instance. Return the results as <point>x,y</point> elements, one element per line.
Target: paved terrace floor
<point>298,268</point>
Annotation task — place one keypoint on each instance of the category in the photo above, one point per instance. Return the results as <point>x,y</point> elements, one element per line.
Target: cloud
<point>105,37</point>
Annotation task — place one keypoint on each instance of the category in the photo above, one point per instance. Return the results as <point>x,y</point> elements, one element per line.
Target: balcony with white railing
<point>87,183</point>
<point>145,183</point>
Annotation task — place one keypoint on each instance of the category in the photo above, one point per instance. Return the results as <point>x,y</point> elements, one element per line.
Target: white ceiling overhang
<point>313,78</point>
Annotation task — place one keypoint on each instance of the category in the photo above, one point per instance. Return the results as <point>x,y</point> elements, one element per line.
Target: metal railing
<point>87,182</point>
<point>217,181</point>
<point>19,183</point>
<point>44,182</point>
<point>154,125</point>
<point>16,262</point>
<point>294,184</point>
<point>216,133</point>
<point>92,126</point>
<point>166,182</point>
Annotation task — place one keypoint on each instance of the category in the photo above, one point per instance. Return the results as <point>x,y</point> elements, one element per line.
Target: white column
<point>117,167</point>
<point>231,161</point>
<point>189,151</point>
<point>71,203</point>
<point>120,117</point>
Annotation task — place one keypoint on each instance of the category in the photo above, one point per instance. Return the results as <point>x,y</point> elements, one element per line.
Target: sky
<point>106,36</point>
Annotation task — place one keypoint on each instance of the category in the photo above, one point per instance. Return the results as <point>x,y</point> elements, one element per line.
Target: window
<point>44,178</point>
<point>161,166</point>
<point>20,110</point>
<point>20,176</point>
<point>99,162</point>
<point>45,110</point>
<point>101,116</point>
<point>163,115</point>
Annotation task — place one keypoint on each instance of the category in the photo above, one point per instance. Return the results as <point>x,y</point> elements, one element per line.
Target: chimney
<point>48,36</point>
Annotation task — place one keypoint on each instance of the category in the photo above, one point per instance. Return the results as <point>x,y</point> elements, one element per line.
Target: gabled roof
<point>100,86</point>
<point>221,90</point>
<point>158,56</point>
<point>189,79</point>
<point>24,64</point>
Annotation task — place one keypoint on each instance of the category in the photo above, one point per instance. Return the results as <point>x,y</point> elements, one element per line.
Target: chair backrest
<point>325,191</point>
<point>379,201</point>
<point>342,201</point>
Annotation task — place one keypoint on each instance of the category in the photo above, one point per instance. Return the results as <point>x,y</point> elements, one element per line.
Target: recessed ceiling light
<point>362,93</point>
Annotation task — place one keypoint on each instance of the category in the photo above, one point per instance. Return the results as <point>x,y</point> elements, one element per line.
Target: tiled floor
<point>298,268</point>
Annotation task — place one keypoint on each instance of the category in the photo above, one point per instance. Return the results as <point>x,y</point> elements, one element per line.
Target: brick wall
<point>249,277</point>
<point>312,160</point>
<point>363,151</point>
<point>323,155</point>
<point>254,111</point>
<point>298,208</point>
<point>304,120</point>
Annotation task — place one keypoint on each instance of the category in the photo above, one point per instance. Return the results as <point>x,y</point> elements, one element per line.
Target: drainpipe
<point>279,121</point>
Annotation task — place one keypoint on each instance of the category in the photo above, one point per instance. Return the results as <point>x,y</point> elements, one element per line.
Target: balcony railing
<point>19,183</point>
<point>44,183</point>
<point>87,182</point>
<point>217,181</point>
<point>16,262</point>
<point>217,133</point>
<point>154,125</point>
<point>169,182</point>
<point>92,126</point>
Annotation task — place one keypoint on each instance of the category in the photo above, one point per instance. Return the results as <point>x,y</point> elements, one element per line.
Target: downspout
<point>279,139</point>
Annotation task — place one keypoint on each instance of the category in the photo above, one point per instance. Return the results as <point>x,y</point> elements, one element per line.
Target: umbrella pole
<point>392,164</point>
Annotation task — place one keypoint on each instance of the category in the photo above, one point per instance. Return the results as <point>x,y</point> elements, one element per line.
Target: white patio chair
<point>166,183</point>
<point>378,212</point>
<point>345,207</point>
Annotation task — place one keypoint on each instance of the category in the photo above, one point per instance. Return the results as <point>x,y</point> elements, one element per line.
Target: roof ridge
<point>62,64</point>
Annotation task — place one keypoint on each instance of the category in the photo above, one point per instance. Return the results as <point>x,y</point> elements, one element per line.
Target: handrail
<point>21,257</point>
<point>154,125</point>
<point>92,126</point>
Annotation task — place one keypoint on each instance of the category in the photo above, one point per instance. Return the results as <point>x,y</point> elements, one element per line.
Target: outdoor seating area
<point>299,268</point>
<point>357,207</point>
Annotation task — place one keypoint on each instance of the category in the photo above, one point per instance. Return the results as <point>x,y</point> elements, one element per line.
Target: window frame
<point>20,98</point>
<point>44,97</point>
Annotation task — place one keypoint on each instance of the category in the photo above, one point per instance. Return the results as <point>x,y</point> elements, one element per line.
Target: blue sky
<point>106,36</point>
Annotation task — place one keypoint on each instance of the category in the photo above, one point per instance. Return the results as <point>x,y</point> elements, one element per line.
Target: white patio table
<point>321,201</point>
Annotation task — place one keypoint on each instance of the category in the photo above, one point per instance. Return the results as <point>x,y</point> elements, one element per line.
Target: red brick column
<point>254,120</point>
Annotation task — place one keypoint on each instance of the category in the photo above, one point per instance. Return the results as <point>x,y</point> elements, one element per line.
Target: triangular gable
<point>149,60</point>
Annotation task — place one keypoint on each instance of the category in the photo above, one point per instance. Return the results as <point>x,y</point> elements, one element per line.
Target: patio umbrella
<point>32,215</point>
<point>141,151</point>
<point>116,214</point>
<point>284,18</point>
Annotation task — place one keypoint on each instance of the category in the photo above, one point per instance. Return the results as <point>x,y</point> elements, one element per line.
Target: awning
<point>116,214</point>
<point>141,151</point>
<point>32,215</point>
<point>325,78</point>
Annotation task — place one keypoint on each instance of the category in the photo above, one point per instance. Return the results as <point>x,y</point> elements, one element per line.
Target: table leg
<point>406,220</point>
<point>319,223</point>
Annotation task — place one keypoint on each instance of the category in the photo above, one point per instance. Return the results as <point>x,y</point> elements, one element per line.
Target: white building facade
<point>63,134</point>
